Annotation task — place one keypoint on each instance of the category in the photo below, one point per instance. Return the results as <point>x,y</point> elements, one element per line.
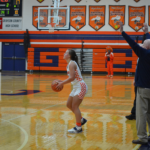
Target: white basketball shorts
<point>79,89</point>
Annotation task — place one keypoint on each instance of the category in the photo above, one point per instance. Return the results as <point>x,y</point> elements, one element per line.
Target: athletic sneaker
<point>83,121</point>
<point>75,130</point>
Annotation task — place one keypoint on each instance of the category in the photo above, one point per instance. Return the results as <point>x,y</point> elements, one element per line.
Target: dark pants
<point>133,111</point>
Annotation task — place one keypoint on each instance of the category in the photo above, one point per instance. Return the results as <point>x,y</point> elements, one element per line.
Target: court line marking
<point>25,133</point>
<point>136,147</point>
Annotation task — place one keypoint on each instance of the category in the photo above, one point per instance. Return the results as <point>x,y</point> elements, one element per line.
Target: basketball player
<point>79,89</point>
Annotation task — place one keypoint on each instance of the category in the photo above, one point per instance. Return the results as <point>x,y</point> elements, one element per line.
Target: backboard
<point>58,15</point>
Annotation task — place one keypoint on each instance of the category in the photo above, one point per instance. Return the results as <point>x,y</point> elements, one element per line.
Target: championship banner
<point>149,15</point>
<point>96,17</point>
<point>43,18</point>
<point>62,16</point>
<point>77,17</point>
<point>136,17</point>
<point>116,15</point>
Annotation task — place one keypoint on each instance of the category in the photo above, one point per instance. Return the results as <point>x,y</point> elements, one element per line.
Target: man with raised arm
<point>142,81</point>
<point>132,116</point>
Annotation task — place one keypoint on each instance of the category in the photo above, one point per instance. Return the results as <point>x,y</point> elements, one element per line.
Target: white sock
<point>78,128</point>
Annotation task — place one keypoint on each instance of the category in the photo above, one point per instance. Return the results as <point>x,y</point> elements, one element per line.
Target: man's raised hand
<point>145,28</point>
<point>121,27</point>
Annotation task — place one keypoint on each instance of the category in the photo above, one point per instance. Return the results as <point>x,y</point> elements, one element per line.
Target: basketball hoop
<point>51,26</point>
<point>59,16</point>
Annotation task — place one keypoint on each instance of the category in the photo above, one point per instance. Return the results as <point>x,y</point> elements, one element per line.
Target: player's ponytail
<point>73,56</point>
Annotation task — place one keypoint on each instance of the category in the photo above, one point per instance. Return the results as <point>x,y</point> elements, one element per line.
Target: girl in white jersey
<point>79,89</point>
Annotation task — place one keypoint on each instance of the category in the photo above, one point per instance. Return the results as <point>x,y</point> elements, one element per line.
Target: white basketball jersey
<point>78,76</point>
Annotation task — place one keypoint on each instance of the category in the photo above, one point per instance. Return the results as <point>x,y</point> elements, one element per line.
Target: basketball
<point>54,85</point>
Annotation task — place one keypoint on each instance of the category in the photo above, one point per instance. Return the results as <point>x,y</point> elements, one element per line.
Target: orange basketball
<point>54,85</point>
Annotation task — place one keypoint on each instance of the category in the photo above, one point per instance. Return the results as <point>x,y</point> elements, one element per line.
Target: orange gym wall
<point>47,49</point>
<point>41,58</point>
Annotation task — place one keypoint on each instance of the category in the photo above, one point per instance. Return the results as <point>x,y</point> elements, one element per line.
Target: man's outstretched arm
<point>139,51</point>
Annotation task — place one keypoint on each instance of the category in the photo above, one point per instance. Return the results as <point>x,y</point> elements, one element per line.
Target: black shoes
<point>131,117</point>
<point>138,142</point>
<point>83,121</point>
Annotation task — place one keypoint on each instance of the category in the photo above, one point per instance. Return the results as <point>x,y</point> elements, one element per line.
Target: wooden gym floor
<point>33,117</point>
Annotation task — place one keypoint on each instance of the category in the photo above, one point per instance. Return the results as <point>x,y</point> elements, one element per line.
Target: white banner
<point>12,23</point>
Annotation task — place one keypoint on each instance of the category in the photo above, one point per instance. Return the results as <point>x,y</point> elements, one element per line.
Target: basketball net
<point>51,26</point>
